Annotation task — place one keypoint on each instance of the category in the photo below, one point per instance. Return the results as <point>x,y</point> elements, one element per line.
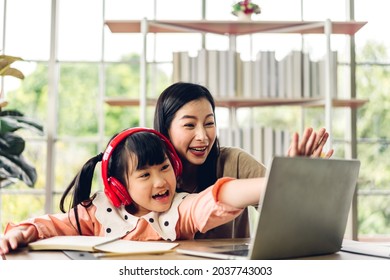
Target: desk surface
<point>25,254</point>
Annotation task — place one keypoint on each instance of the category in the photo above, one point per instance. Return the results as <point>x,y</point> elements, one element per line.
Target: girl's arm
<point>241,193</point>
<point>17,237</point>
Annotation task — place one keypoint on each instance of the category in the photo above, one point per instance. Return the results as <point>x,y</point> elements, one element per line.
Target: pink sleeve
<point>63,223</point>
<point>202,212</point>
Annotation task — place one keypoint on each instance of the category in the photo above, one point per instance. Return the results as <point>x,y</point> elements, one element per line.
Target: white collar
<point>118,222</point>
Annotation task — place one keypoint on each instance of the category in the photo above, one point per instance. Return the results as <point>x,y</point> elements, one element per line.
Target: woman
<point>185,113</point>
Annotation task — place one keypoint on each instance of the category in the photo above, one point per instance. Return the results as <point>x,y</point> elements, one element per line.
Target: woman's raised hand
<point>311,144</point>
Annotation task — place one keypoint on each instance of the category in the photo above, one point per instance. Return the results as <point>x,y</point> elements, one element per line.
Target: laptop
<point>304,211</point>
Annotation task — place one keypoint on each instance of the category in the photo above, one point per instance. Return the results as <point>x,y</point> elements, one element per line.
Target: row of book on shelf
<point>260,141</point>
<point>226,75</point>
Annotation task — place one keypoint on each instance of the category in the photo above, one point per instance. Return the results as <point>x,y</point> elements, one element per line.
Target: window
<point>72,62</point>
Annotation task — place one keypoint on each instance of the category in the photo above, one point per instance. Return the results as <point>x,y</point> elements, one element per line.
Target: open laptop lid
<point>305,209</point>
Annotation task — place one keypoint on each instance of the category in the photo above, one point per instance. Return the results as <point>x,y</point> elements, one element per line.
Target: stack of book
<point>225,74</point>
<point>262,142</point>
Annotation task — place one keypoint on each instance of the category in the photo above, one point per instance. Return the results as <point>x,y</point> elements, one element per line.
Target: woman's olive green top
<point>236,163</point>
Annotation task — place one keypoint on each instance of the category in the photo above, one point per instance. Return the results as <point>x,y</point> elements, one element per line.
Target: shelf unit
<point>233,29</point>
<point>250,102</point>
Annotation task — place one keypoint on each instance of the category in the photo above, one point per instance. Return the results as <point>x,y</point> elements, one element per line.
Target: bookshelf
<point>251,102</point>
<point>233,29</point>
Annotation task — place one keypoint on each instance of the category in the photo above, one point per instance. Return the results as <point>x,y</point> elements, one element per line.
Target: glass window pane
<point>163,47</point>
<point>14,208</point>
<point>373,217</point>
<point>322,10</point>
<point>118,46</point>
<point>2,15</point>
<point>129,9</point>
<point>122,79</point>
<point>70,158</point>
<point>80,30</point>
<point>30,40</point>
<point>178,9</point>
<point>279,10</point>
<point>159,78</point>
<point>219,10</point>
<point>78,99</point>
<point>118,118</point>
<point>29,96</point>
<point>377,17</point>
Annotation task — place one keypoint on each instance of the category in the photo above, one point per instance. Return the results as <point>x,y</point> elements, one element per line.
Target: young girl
<point>139,202</point>
<point>185,114</point>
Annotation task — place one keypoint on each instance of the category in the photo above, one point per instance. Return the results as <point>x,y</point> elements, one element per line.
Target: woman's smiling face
<point>193,131</point>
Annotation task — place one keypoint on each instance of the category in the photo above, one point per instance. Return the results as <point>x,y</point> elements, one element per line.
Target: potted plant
<point>13,165</point>
<point>245,9</point>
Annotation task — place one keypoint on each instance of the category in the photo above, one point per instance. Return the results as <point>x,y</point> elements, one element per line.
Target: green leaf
<point>11,144</point>
<point>8,124</point>
<point>12,72</point>
<point>5,66</point>
<point>11,120</point>
<point>17,167</point>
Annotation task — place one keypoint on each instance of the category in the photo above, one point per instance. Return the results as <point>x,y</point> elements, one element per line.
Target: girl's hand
<point>17,237</point>
<point>311,144</point>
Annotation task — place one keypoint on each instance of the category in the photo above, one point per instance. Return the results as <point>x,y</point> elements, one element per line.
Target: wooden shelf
<point>234,27</point>
<point>124,101</point>
<point>245,102</point>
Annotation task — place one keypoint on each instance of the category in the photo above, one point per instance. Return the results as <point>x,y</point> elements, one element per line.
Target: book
<point>247,68</point>
<point>213,72</point>
<point>258,143</point>
<point>112,245</point>
<point>223,73</point>
<point>366,248</point>
<point>202,67</point>
<point>306,76</point>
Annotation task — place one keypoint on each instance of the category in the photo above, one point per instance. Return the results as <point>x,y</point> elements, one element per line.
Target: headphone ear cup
<point>111,195</point>
<point>117,193</point>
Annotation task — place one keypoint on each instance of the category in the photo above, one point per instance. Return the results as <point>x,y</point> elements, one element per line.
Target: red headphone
<point>114,190</point>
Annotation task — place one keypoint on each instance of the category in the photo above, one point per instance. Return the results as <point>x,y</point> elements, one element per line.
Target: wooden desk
<point>25,254</point>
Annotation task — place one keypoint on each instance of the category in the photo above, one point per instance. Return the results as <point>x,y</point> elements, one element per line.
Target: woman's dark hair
<point>147,147</point>
<point>169,102</point>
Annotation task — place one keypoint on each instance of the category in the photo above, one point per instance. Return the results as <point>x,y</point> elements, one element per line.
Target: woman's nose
<point>201,134</point>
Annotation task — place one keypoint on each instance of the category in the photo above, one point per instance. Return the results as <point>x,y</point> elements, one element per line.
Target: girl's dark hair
<point>169,102</point>
<point>148,149</point>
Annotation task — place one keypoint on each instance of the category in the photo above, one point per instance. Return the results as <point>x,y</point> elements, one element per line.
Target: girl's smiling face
<point>193,131</point>
<point>152,187</point>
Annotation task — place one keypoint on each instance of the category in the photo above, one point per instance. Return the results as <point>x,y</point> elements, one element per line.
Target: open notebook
<point>304,211</point>
<point>103,246</point>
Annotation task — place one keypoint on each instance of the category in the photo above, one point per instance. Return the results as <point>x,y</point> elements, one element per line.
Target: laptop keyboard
<point>242,252</point>
<point>236,250</point>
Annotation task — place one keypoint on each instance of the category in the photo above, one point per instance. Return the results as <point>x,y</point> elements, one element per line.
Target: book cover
<point>258,143</point>
<point>247,91</point>
<point>213,72</point>
<point>202,67</point>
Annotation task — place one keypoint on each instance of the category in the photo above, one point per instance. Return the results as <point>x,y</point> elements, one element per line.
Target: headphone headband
<point>173,157</point>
